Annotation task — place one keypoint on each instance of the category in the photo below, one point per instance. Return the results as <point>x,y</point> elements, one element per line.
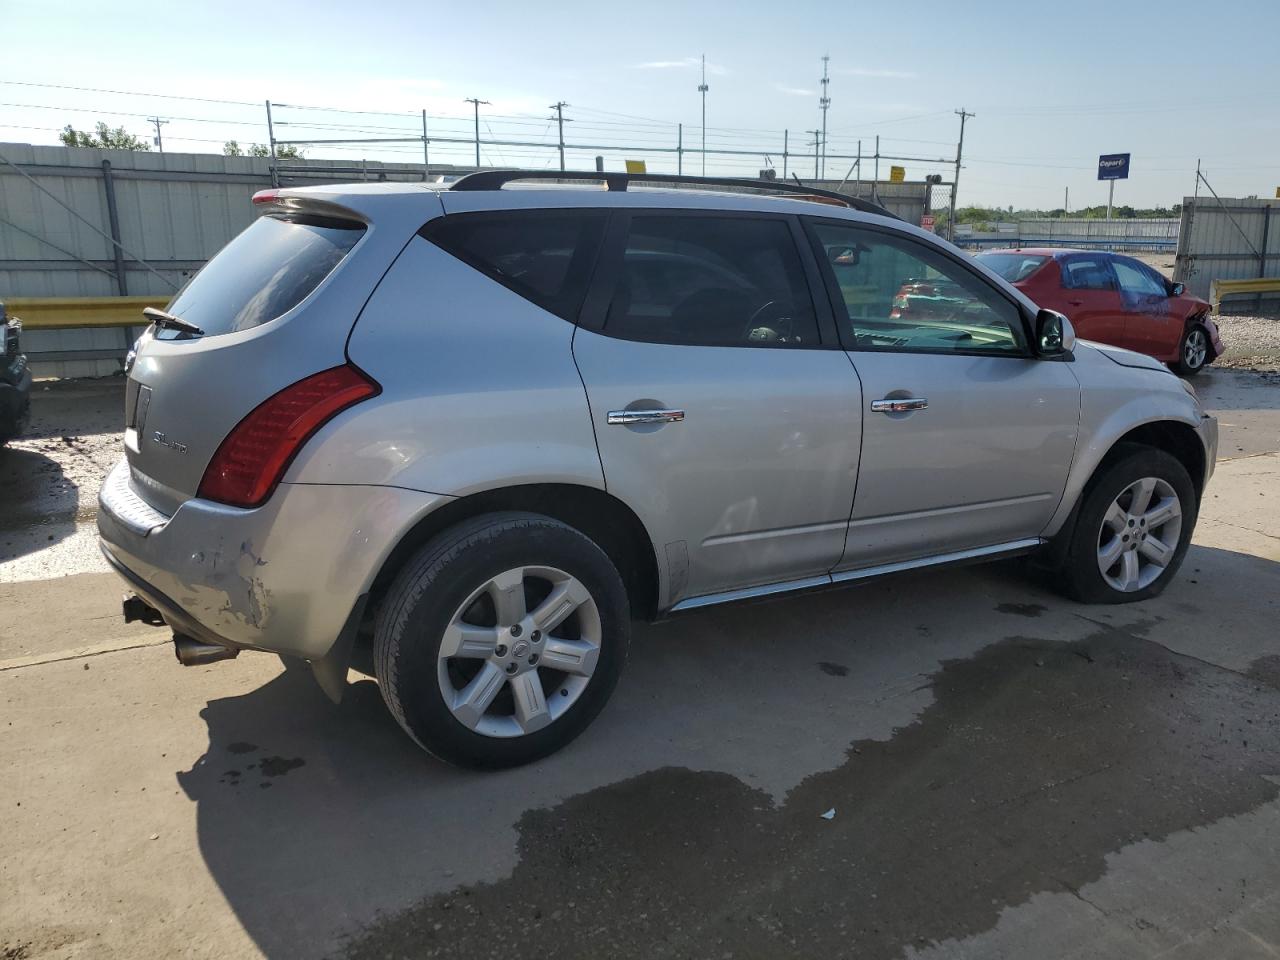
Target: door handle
<point>1076,303</point>
<point>901,405</point>
<point>629,417</point>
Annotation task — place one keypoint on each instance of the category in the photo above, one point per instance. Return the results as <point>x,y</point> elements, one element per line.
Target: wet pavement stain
<point>1022,609</point>
<point>241,747</point>
<point>1031,765</point>
<point>279,766</point>
<point>833,669</point>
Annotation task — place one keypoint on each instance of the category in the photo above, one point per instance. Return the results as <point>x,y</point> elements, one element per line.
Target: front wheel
<point>1193,352</point>
<point>501,640</point>
<point>1133,530</point>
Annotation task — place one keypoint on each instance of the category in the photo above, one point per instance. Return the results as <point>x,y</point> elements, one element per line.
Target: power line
<point>125,93</point>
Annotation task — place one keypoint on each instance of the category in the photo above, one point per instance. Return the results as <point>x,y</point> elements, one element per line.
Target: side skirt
<point>1012,548</point>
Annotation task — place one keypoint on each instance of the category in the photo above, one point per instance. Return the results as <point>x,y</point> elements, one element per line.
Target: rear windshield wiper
<point>170,322</point>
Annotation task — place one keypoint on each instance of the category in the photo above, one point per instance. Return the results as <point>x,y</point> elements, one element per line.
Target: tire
<point>1194,351</point>
<point>501,702</point>
<point>1118,481</point>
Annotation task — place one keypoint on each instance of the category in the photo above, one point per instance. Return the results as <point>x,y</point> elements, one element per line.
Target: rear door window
<point>712,281</point>
<point>263,273</point>
<point>544,256</point>
<point>1087,273</point>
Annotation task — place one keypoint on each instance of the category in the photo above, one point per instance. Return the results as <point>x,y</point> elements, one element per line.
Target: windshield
<point>1012,266</point>
<point>264,272</point>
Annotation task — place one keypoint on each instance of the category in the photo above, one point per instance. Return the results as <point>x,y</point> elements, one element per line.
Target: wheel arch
<point>1175,437</point>
<point>599,515</point>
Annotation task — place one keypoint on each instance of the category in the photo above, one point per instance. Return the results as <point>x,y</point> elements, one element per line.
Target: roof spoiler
<point>618,182</point>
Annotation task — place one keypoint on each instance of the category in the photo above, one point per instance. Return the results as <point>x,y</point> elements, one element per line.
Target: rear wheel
<point>1133,530</point>
<point>501,640</point>
<point>1193,353</point>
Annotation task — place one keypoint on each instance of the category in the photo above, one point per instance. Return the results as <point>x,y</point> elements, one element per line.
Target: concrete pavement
<point>1012,775</point>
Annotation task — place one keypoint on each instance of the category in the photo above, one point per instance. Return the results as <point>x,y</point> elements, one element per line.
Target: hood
<point>1126,358</point>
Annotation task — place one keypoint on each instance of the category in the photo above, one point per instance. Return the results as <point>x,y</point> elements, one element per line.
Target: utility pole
<point>824,102</point>
<point>159,123</point>
<point>271,140</point>
<point>702,89</point>
<point>963,114</point>
<point>817,143</point>
<point>477,103</point>
<point>426,148</point>
<point>558,107</point>
<point>1066,200</point>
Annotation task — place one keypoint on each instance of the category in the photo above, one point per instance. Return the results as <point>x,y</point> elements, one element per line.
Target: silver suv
<point>468,434</point>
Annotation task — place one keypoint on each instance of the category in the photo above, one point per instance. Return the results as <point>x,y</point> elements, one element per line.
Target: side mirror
<point>1177,289</point>
<point>1055,337</point>
<point>845,255</point>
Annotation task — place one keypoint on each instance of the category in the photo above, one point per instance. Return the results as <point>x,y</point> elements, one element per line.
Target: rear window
<point>263,273</point>
<point>544,256</point>
<point>1012,266</point>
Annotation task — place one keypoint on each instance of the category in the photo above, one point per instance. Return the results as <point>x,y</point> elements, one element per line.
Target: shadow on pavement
<point>979,741</point>
<point>32,488</point>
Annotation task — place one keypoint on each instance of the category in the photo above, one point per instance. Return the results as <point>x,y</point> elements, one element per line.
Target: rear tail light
<point>250,461</point>
<point>266,196</point>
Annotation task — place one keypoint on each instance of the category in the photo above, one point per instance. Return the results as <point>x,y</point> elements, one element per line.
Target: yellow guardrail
<point>62,313</point>
<point>1225,288</point>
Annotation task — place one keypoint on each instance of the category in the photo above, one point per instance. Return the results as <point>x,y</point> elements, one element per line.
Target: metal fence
<point>82,222</point>
<point>1137,235</point>
<point>1229,239</point>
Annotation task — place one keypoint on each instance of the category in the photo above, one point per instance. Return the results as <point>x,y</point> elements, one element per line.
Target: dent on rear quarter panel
<point>479,389</point>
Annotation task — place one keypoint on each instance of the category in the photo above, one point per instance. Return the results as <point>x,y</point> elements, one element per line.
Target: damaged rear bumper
<point>289,577</point>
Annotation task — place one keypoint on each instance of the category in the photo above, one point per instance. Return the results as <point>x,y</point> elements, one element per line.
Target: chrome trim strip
<point>845,576</point>
<point>959,556</point>
<point>746,593</point>
<point>774,532</point>
<point>943,511</point>
<point>628,417</point>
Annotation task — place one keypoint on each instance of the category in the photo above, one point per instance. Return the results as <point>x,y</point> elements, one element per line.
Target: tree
<point>104,137</point>
<point>232,148</point>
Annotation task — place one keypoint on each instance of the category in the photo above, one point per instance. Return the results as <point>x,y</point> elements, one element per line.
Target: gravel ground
<point>1251,342</point>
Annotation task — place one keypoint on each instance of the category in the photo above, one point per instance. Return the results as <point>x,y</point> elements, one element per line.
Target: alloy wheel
<point>1195,349</point>
<point>1139,535</point>
<point>519,651</point>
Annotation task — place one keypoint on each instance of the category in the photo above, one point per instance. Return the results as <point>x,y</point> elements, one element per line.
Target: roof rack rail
<point>618,182</point>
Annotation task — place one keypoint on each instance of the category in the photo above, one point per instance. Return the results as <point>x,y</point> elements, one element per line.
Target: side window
<point>1134,279</point>
<point>1087,273</point>
<point>545,256</point>
<point>902,296</point>
<point>712,281</point>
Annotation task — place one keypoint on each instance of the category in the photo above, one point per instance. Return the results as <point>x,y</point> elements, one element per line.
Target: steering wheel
<point>778,327</point>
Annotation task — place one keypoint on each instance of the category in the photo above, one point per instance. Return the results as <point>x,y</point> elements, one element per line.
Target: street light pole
<point>476,103</point>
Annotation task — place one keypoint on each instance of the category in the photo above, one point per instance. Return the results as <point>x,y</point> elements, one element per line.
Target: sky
<point>1051,86</point>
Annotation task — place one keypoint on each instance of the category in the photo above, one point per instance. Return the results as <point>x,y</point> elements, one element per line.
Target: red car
<point>1114,299</point>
